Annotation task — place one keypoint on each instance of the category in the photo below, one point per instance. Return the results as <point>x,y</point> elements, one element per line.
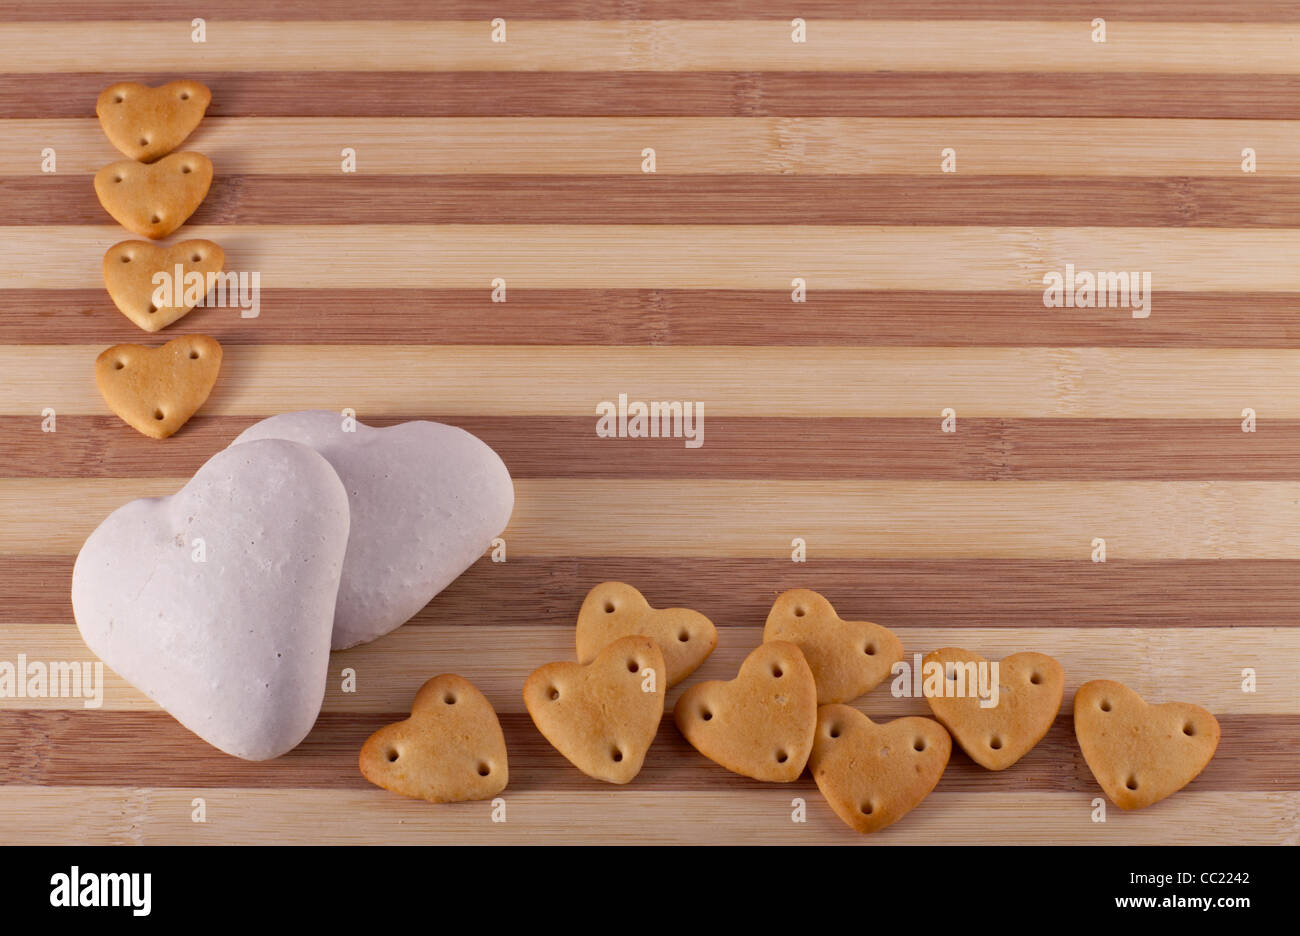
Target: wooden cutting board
<point>824,419</point>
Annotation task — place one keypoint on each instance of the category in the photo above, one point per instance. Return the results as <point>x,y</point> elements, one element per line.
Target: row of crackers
<point>785,712</point>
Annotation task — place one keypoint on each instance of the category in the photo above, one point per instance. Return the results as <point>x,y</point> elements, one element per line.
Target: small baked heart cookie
<point>129,268</point>
<point>154,200</point>
<point>450,749</point>
<point>144,122</point>
<point>156,390</point>
<point>1141,753</point>
<point>759,724</point>
<point>872,775</point>
<point>1030,688</point>
<point>847,658</point>
<point>613,610</point>
<point>602,716</point>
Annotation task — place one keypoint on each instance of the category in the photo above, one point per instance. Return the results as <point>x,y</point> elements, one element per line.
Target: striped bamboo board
<point>774,160</point>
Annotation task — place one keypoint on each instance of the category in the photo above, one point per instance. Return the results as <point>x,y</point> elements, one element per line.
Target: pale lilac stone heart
<point>427,500</point>
<point>217,602</point>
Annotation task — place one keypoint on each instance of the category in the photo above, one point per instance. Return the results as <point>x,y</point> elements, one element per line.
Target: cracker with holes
<point>872,774</point>
<point>759,724</point>
<point>451,748</point>
<point>146,123</point>
<point>1029,692</point>
<point>1139,752</point>
<point>157,390</point>
<point>154,200</point>
<point>613,610</point>
<point>129,268</point>
<point>602,716</point>
<point>848,658</point>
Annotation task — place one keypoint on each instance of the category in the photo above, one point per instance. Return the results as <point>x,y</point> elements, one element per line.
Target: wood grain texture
<point>669,317</point>
<point>708,94</point>
<point>1035,592</point>
<point>774,160</point>
<point>877,146</point>
<point>800,381</point>
<point>755,199</point>
<point>1213,11</point>
<point>668,45</point>
<point>743,447</point>
<point>642,256</point>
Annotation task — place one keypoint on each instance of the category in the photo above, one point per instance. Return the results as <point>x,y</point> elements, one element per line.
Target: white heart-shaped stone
<point>427,500</point>
<point>231,635</point>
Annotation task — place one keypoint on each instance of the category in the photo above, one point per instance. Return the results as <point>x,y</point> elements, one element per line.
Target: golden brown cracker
<point>613,610</point>
<point>759,724</point>
<point>146,123</point>
<point>847,658</point>
<point>155,390</point>
<point>874,774</point>
<point>450,749</point>
<point>1030,689</point>
<point>604,715</point>
<point>154,200</point>
<point>1140,753</point>
<point>129,268</point>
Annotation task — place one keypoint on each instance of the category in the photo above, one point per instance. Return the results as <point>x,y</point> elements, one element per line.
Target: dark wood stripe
<point>700,94</point>
<point>894,592</point>
<point>776,448</point>
<point>932,199</point>
<point>668,317</point>
<point>150,749</point>
<point>1214,11</point>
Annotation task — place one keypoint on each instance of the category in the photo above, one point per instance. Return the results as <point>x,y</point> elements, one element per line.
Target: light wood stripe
<point>901,593</point>
<point>667,317</point>
<point>742,447</point>
<point>1213,11</point>
<point>838,519</point>
<point>696,256</point>
<point>690,145</point>
<point>1203,664</point>
<point>701,199</point>
<point>745,93</point>
<point>100,815</point>
<point>669,45</point>
<point>1098,383</point>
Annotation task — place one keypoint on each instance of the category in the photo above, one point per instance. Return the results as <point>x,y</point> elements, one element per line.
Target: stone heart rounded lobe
<point>427,499</point>
<point>236,646</point>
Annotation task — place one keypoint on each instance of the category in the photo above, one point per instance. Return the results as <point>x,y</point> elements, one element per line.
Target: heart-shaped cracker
<point>129,268</point>
<point>847,658</point>
<point>613,610</point>
<point>759,724</point>
<point>602,716</point>
<point>1140,753</point>
<point>156,390</point>
<point>154,200</point>
<point>427,499</point>
<point>873,775</point>
<point>217,602</point>
<point>1030,688</point>
<point>144,122</point>
<point>450,749</point>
